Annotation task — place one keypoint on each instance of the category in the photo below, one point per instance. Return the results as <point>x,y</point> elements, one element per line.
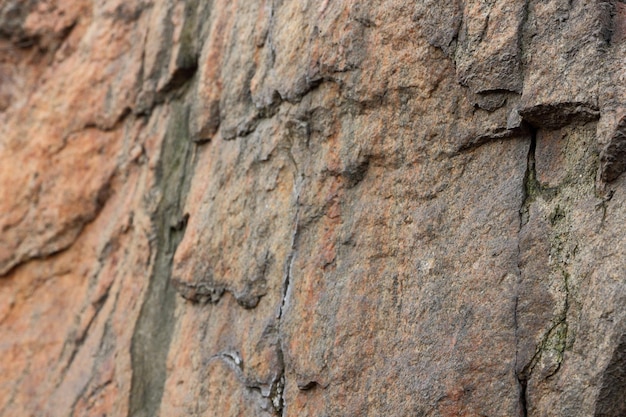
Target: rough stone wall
<point>312,208</point>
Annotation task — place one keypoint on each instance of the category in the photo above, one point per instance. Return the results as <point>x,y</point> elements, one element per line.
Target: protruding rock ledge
<point>557,115</point>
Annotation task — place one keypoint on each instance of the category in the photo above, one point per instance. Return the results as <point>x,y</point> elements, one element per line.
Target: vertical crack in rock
<point>522,41</point>
<point>559,330</point>
<point>153,331</point>
<point>278,386</point>
<point>542,326</point>
<point>523,384</point>
<point>521,381</point>
<point>529,188</point>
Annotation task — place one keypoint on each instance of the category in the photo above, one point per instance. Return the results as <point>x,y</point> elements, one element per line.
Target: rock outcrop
<point>313,208</point>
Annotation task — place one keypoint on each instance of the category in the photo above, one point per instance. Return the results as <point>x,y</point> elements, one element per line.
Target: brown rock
<point>307,208</point>
<point>613,153</point>
<point>573,38</point>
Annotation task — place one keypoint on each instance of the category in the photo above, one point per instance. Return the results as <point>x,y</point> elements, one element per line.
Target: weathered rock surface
<point>312,208</point>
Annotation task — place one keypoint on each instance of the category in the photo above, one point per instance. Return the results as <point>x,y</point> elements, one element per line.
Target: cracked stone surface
<point>312,208</point>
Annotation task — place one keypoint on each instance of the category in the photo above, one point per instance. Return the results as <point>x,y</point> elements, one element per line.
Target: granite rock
<point>312,208</point>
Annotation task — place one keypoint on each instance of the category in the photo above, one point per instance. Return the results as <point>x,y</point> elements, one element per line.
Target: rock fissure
<point>523,383</point>
<point>521,35</point>
<point>278,398</point>
<point>521,379</point>
<point>531,185</point>
<point>527,187</point>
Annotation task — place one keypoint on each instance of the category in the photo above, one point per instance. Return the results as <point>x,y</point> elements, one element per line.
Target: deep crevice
<point>531,186</point>
<point>179,78</point>
<point>522,381</point>
<point>529,177</point>
<point>523,399</point>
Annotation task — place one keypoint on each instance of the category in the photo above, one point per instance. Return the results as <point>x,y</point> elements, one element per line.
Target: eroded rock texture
<point>312,208</point>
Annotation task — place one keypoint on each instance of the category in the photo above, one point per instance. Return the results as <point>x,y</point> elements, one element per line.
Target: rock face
<point>313,208</point>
